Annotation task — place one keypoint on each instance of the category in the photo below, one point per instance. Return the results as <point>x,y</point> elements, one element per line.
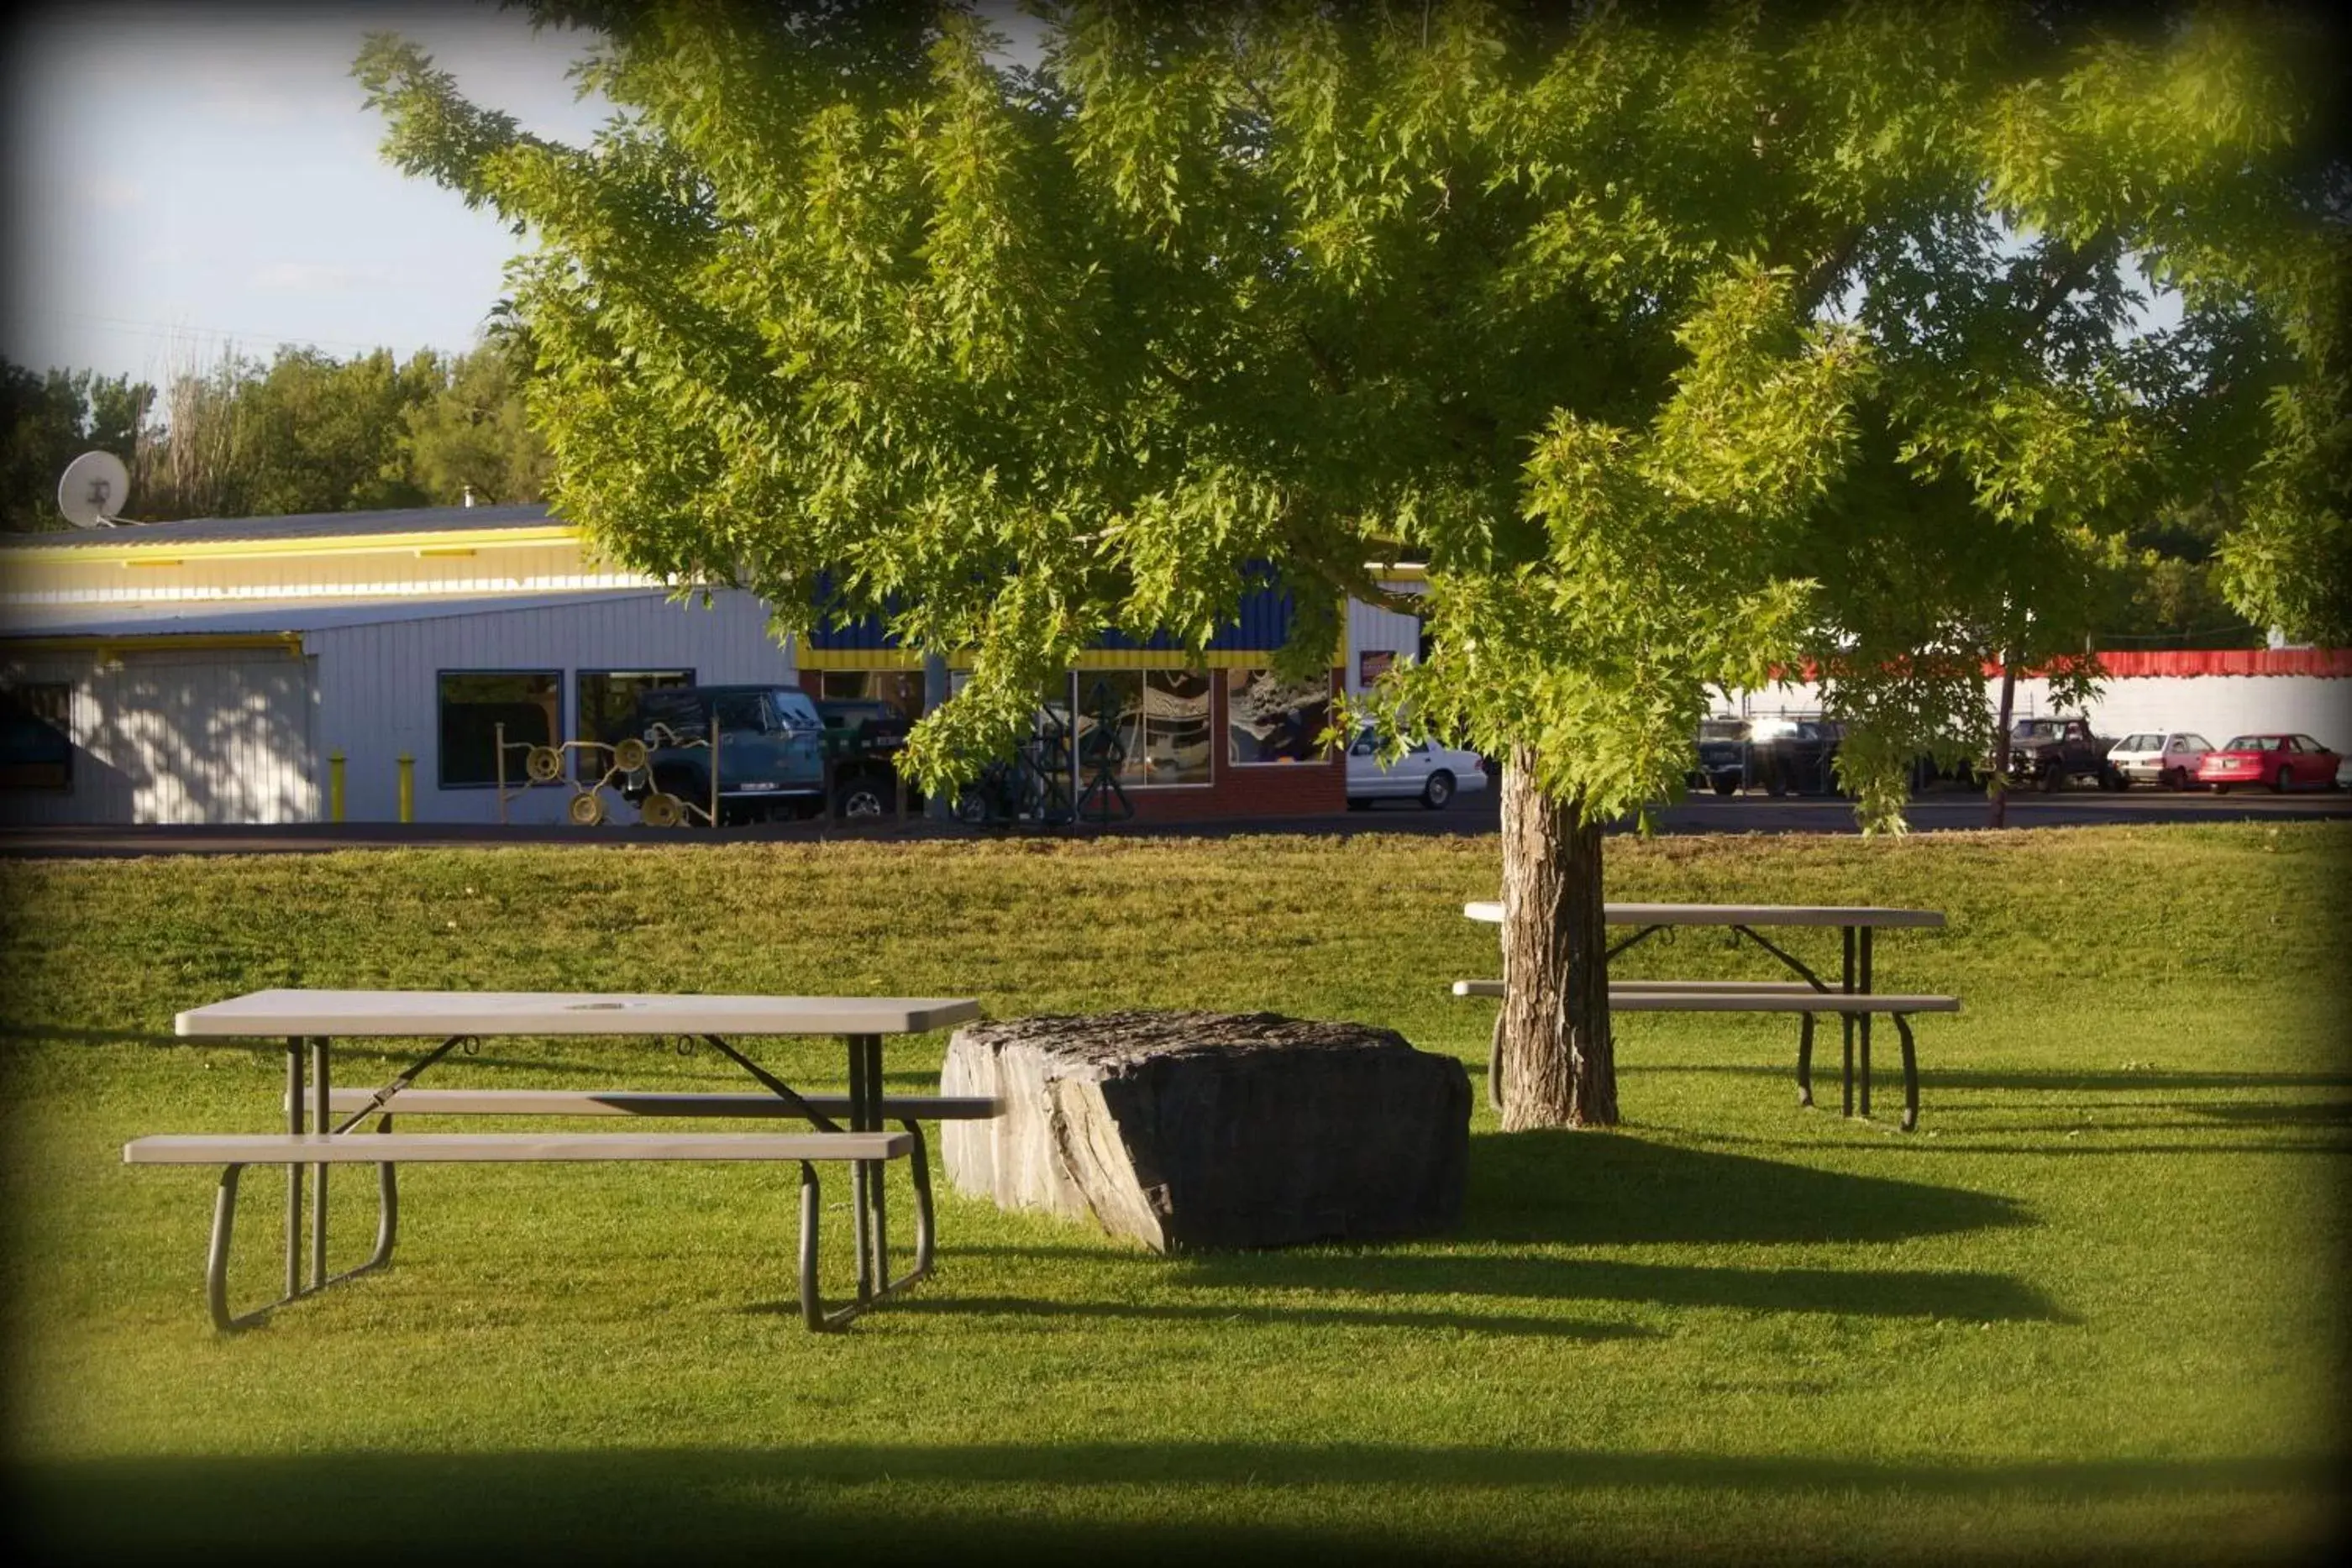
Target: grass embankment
<point>2091,1309</point>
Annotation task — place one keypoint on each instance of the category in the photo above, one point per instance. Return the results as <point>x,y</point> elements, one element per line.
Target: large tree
<point>1677,352</point>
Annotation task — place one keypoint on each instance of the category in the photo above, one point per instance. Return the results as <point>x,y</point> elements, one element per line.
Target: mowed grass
<point>2092,1310</point>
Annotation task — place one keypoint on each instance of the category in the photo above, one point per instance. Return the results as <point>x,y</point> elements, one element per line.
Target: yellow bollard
<point>407,788</point>
<point>334,786</point>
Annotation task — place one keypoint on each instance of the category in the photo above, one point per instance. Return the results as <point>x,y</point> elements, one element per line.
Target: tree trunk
<point>1998,788</point>
<point>1554,1054</point>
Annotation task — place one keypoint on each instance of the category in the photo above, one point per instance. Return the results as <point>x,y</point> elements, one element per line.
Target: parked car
<point>1779,753</point>
<point>2281,762</point>
<point>2047,752</point>
<point>863,738</point>
<point>1428,772</point>
<point>2167,757</point>
<point>1722,754</point>
<point>1797,756</point>
<point>771,751</point>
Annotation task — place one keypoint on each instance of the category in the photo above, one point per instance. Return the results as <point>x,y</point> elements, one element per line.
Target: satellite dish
<point>95,489</point>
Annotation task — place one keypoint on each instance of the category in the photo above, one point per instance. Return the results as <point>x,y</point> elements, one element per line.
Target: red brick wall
<point>1270,789</point>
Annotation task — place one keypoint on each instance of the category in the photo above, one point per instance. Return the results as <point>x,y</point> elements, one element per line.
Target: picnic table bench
<point>310,1020</point>
<point>1852,1002</point>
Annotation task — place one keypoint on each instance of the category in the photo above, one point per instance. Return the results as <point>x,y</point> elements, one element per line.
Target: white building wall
<point>180,737</point>
<point>2218,707</point>
<point>379,687</point>
<point>1373,629</point>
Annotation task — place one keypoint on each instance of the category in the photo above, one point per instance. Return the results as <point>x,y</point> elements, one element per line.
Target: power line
<point>224,333</point>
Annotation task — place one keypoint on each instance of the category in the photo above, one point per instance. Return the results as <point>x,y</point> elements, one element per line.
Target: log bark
<point>1554,1053</point>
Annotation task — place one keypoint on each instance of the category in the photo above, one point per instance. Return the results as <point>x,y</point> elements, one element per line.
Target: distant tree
<point>472,433</point>
<point>1678,350</point>
<point>47,421</point>
<point>321,435</point>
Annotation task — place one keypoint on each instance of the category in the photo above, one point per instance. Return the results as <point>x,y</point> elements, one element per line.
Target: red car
<point>2280,761</point>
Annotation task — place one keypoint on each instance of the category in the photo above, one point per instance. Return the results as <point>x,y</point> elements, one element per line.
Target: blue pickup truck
<point>772,750</point>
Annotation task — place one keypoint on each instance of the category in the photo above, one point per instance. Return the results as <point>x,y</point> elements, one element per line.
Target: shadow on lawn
<point>1548,1189</point>
<point>1607,1189</point>
<point>1197,1500</point>
<point>1021,1308</point>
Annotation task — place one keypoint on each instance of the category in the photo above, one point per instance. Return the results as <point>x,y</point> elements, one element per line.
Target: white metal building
<point>207,671</point>
<point>210,671</point>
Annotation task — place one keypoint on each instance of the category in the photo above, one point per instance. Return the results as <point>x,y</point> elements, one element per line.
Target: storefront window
<point>605,700</point>
<point>1269,719</point>
<point>474,703</point>
<point>1161,718</point>
<point>37,736</point>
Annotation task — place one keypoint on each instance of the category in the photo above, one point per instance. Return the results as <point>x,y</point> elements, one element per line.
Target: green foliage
<point>471,434</point>
<point>47,421</point>
<point>305,433</point>
<point>1678,350</point>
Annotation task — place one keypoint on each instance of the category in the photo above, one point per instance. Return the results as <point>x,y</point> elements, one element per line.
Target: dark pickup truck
<point>2047,752</point>
<point>863,738</point>
<point>772,749</point>
<point>1783,755</point>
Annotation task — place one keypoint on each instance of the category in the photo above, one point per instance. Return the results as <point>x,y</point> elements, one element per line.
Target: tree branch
<point>1828,269</point>
<point>2071,275</point>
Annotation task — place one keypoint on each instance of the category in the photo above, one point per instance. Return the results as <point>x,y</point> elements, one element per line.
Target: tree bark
<point>1554,1052</point>
<point>1998,788</point>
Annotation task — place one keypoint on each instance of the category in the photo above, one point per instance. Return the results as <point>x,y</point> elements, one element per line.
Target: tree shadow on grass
<point>1843,1293</point>
<point>1203,1500</point>
<point>944,1304</point>
<point>1611,1190</point>
<point>1545,1191</point>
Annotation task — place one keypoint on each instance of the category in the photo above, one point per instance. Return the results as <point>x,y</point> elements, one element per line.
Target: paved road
<point>1937,812</point>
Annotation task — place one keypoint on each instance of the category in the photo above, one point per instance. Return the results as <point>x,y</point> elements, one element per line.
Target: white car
<point>2168,757</point>
<point>1427,772</point>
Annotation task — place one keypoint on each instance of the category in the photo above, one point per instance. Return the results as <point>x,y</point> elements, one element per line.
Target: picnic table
<point>309,1021</point>
<point>1856,924</point>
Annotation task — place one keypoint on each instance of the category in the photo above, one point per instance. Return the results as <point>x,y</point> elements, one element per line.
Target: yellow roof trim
<point>337,544</point>
<point>110,648</point>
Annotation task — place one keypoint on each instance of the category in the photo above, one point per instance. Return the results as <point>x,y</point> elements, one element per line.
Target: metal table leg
<point>1845,1021</point>
<point>878,1227</point>
<point>1865,1026</point>
<point>294,1110</point>
<point>319,1118</point>
<point>859,1177</point>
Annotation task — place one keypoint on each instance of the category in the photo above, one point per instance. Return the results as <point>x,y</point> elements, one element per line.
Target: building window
<point>1160,717</point>
<point>1269,719</point>
<point>605,701</point>
<point>902,689</point>
<point>474,703</point>
<point>37,736</point>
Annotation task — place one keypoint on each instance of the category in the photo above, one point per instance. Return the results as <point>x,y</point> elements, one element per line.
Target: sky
<point>185,178</point>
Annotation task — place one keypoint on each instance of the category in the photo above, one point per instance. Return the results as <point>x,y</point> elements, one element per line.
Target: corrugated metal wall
<point>180,736</point>
<point>1374,629</point>
<point>379,686</point>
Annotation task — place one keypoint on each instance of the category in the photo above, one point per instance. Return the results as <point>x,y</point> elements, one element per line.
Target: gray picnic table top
<point>260,1014</point>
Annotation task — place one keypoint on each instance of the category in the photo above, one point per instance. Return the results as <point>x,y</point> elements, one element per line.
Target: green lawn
<point>2094,1309</point>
